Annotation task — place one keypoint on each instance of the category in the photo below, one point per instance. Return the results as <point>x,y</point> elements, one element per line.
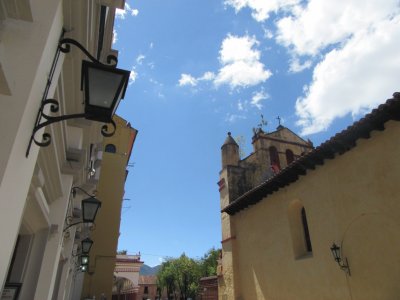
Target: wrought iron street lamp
<point>344,265</point>
<point>90,206</point>
<point>104,86</point>
<point>86,245</point>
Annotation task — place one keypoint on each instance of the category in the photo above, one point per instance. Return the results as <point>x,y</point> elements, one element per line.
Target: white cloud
<point>207,76</point>
<point>354,78</point>
<point>296,66</point>
<point>140,58</point>
<point>268,34</point>
<point>257,99</point>
<point>187,79</point>
<point>114,36</point>
<point>236,48</point>
<point>322,23</point>
<point>232,118</point>
<point>133,76</point>
<point>134,12</point>
<point>121,13</point>
<point>241,105</point>
<point>354,44</point>
<point>261,9</point>
<point>151,46</point>
<point>241,66</point>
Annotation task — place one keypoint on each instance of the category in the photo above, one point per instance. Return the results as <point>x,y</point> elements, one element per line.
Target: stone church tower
<point>272,152</point>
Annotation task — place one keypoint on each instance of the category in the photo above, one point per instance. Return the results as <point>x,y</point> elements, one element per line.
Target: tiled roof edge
<point>338,144</point>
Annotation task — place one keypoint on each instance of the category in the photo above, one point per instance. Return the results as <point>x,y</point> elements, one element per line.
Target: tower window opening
<point>274,157</point>
<point>289,156</point>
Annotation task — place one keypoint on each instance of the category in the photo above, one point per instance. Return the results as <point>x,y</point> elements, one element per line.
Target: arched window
<point>274,156</point>
<point>289,156</point>
<point>305,230</point>
<point>110,148</point>
<point>301,239</point>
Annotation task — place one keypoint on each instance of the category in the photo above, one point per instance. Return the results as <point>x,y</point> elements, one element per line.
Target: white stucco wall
<point>27,49</point>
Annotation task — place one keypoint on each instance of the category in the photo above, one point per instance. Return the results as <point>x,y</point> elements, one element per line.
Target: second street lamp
<point>86,245</point>
<point>90,206</point>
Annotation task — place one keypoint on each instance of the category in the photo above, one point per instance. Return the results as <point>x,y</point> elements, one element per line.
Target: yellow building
<point>279,231</point>
<point>117,149</point>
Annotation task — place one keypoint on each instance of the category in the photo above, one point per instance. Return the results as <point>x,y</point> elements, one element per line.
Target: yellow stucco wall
<point>99,279</point>
<point>352,200</point>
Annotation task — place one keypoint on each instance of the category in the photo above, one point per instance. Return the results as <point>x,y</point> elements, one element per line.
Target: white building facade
<point>36,254</point>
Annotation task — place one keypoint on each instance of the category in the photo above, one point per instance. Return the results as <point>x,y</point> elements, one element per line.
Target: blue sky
<point>203,68</point>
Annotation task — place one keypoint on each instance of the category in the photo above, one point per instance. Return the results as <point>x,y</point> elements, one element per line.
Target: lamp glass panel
<point>103,87</point>
<point>89,208</point>
<point>84,260</point>
<point>86,245</point>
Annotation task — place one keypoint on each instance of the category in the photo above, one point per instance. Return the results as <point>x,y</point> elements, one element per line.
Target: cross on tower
<point>279,120</point>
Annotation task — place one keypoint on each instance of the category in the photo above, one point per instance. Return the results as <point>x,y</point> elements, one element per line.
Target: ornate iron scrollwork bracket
<point>64,46</point>
<point>43,118</point>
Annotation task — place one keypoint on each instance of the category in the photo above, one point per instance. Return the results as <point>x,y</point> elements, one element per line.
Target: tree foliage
<point>209,263</point>
<point>166,278</point>
<point>180,276</point>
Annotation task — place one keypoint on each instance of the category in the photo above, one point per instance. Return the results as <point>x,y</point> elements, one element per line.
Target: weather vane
<point>263,122</point>
<point>260,126</point>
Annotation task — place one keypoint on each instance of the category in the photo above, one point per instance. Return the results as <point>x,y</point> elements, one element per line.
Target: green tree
<point>209,263</point>
<point>166,278</point>
<point>188,276</point>
<point>181,276</point>
<point>160,288</point>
